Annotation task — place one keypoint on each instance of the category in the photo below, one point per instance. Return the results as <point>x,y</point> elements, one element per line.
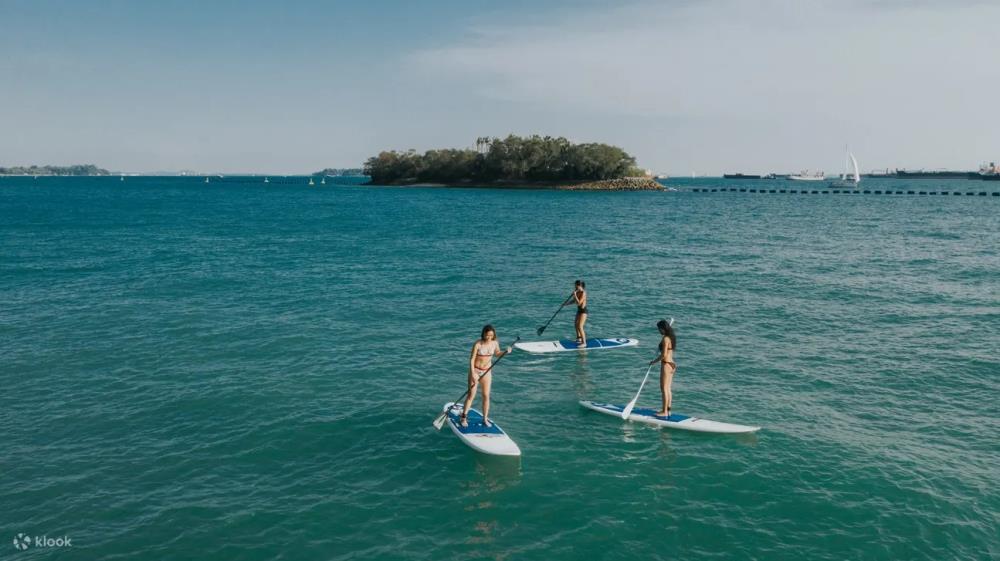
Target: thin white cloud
<point>726,68</point>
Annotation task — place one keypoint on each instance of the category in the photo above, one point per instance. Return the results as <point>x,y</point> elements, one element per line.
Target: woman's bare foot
<point>464,420</point>
<point>662,413</point>
<point>487,423</point>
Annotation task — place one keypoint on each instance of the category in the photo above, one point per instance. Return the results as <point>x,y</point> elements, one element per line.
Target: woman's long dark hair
<point>666,329</point>
<point>486,329</point>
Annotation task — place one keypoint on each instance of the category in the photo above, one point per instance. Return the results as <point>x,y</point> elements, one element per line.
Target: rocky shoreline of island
<point>621,184</point>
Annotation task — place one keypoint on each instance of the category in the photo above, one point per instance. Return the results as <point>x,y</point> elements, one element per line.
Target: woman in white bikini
<point>483,352</point>
<point>667,365</point>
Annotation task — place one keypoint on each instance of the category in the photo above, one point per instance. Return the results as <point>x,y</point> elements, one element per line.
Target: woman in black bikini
<point>483,352</point>
<point>667,365</point>
<point>580,297</point>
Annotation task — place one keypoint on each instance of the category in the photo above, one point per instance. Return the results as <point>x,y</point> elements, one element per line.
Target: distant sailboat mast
<point>852,174</point>
<point>854,162</point>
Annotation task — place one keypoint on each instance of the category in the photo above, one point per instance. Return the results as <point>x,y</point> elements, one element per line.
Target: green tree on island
<point>515,158</point>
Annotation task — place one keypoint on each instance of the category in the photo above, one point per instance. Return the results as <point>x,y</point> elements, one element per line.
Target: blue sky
<point>292,87</point>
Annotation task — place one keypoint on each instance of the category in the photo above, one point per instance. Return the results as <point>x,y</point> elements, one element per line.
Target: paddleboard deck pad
<point>674,421</point>
<point>481,438</point>
<point>566,345</point>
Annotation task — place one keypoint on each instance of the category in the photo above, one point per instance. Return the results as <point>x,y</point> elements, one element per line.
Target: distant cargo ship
<point>988,172</point>
<point>739,176</point>
<point>806,175</point>
<point>931,174</point>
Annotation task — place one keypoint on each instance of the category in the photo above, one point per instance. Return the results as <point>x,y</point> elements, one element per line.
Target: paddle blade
<point>628,409</point>
<point>631,404</point>
<point>439,422</point>
<point>540,330</point>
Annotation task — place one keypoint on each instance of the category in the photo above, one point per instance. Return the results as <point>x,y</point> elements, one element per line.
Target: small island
<point>515,162</point>
<point>82,169</point>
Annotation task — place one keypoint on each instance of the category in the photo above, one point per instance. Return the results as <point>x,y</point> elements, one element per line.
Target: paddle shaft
<point>566,301</point>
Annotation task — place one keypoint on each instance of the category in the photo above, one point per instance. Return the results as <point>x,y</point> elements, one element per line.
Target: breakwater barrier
<point>893,192</point>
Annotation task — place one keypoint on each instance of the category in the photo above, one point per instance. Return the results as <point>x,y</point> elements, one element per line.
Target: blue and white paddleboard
<point>674,421</point>
<point>571,345</point>
<point>488,440</point>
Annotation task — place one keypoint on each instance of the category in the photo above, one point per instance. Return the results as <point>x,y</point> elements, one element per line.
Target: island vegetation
<point>340,172</point>
<point>82,169</point>
<point>512,161</point>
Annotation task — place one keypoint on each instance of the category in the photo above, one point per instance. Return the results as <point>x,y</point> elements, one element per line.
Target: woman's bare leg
<point>581,333</point>
<point>664,390</point>
<point>468,399</point>
<point>487,381</point>
<point>668,395</point>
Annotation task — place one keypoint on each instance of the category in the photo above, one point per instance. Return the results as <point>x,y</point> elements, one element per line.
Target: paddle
<point>439,421</point>
<point>542,328</point>
<point>631,404</point>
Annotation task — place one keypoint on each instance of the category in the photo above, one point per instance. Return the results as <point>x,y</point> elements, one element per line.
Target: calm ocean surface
<point>249,371</point>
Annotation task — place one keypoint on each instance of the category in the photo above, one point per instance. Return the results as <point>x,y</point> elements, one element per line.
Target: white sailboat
<point>851,177</point>
<point>311,182</point>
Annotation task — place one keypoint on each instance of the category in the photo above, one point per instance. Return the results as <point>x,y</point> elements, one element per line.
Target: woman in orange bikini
<point>483,352</point>
<point>667,365</point>
<point>580,297</point>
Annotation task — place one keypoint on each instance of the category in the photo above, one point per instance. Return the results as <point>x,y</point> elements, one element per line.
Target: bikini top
<point>487,349</point>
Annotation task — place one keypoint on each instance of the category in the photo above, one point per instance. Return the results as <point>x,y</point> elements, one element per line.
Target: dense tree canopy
<point>513,158</point>
<point>340,172</point>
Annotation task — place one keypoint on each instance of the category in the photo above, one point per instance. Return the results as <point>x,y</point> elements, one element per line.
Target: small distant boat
<point>739,176</point>
<point>806,175</point>
<point>851,177</point>
<point>266,181</point>
<point>311,182</point>
<point>206,180</point>
<point>323,181</point>
<point>123,178</point>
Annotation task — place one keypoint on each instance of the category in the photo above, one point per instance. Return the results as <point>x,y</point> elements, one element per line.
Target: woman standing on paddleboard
<point>667,365</point>
<point>480,362</point>
<point>580,297</point>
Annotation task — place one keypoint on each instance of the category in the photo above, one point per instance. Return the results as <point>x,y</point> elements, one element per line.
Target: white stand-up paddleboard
<point>674,421</point>
<point>571,345</point>
<point>488,440</point>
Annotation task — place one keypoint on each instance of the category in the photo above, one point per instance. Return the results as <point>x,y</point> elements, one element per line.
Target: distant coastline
<point>82,169</point>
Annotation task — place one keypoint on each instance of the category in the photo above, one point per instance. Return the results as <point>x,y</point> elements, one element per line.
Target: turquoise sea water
<point>249,371</point>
